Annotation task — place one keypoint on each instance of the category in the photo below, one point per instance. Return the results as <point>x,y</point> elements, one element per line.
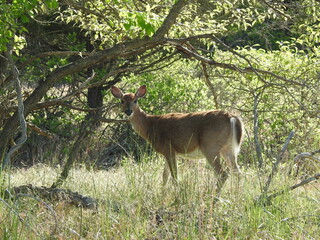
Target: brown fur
<point>179,133</point>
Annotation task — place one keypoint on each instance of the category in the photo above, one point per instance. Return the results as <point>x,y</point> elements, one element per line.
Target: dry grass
<point>138,207</point>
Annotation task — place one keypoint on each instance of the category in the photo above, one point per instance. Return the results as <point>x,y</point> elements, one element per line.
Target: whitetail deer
<point>208,134</point>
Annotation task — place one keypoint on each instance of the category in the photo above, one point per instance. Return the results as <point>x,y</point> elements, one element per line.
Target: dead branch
<point>39,130</point>
<point>302,183</point>
<point>20,195</point>
<point>310,155</point>
<point>56,194</point>
<point>14,211</point>
<point>276,164</point>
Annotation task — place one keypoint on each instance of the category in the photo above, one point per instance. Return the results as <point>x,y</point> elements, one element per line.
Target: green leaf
<point>141,21</point>
<point>149,29</point>
<point>24,18</point>
<point>127,26</point>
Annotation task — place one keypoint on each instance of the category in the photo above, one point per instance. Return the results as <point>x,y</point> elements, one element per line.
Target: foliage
<point>13,17</point>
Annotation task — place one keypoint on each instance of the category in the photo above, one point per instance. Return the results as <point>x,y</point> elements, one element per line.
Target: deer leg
<point>231,159</point>
<point>165,174</point>
<point>213,158</point>
<point>172,164</point>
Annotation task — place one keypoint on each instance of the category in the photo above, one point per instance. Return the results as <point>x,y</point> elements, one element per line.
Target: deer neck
<point>140,122</point>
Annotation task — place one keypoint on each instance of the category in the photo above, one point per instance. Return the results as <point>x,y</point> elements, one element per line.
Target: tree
<point>90,45</point>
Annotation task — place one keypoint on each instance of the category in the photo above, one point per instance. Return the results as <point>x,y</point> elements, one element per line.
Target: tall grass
<point>137,206</point>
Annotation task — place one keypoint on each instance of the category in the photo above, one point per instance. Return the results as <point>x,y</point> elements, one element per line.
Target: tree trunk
<point>90,123</point>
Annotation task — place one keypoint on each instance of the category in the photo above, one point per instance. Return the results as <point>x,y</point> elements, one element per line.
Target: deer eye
<point>135,101</point>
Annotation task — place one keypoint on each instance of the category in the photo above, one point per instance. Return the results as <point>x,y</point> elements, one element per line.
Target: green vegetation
<point>259,59</point>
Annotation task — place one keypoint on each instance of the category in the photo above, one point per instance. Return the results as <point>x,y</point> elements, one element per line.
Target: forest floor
<point>134,205</point>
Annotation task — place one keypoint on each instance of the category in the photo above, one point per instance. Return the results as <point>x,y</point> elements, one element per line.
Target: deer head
<point>129,101</point>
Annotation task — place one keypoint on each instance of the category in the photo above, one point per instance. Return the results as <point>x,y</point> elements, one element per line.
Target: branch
<point>83,86</point>
<point>109,120</point>
<point>56,53</point>
<point>304,182</point>
<point>56,194</point>
<point>23,138</point>
<point>276,164</point>
<point>39,130</point>
<point>251,69</point>
<point>309,155</point>
<point>170,19</point>
<point>209,85</point>
<point>275,9</point>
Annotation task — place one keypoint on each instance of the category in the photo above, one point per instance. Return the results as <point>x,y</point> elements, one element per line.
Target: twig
<point>85,85</point>
<point>309,155</point>
<point>39,130</point>
<point>304,182</point>
<point>177,43</point>
<point>19,195</point>
<point>256,130</point>
<point>209,85</point>
<point>276,164</point>
<point>17,214</point>
<point>109,120</point>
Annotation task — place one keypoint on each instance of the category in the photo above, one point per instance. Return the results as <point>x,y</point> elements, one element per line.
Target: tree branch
<point>209,85</point>
<point>20,112</point>
<point>251,69</point>
<point>302,183</point>
<point>276,164</point>
<point>170,19</point>
<point>55,53</point>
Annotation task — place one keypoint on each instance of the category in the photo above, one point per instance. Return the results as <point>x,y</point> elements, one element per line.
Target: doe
<point>208,134</point>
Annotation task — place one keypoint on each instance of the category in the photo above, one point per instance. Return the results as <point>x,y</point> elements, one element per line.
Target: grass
<point>137,206</point>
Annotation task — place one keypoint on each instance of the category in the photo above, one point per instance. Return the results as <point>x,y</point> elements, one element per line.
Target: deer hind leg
<point>165,174</point>
<point>213,158</point>
<point>231,158</point>
<point>171,164</point>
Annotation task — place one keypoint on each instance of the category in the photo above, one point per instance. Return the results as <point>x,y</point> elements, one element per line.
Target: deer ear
<point>116,92</point>
<point>141,91</point>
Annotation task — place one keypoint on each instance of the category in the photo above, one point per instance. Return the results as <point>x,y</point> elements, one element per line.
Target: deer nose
<point>128,111</point>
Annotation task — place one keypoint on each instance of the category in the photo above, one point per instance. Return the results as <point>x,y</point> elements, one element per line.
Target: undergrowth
<point>135,205</point>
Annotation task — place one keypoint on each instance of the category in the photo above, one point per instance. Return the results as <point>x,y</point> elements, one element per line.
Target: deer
<point>207,134</point>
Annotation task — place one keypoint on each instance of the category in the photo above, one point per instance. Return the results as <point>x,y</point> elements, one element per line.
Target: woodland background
<point>258,58</point>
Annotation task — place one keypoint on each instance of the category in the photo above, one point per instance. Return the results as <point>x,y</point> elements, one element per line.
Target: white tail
<point>210,133</point>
